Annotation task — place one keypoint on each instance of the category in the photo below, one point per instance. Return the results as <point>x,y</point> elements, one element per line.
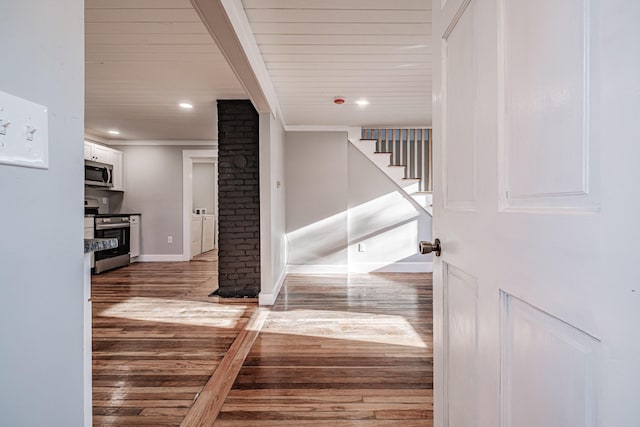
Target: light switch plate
<point>24,140</point>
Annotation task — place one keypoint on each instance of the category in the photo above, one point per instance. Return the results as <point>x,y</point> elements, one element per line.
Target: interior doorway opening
<point>200,206</point>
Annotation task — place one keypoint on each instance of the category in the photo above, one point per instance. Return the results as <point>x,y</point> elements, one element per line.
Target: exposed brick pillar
<point>238,199</point>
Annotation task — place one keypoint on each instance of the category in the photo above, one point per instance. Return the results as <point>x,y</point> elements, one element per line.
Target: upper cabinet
<point>97,153</point>
<point>102,154</point>
<point>117,160</point>
<point>88,151</point>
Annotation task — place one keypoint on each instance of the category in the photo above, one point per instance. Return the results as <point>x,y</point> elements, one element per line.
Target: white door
<point>537,178</point>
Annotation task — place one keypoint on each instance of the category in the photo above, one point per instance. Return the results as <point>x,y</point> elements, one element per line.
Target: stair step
<point>382,159</point>
<point>368,145</point>
<point>396,172</point>
<point>423,197</point>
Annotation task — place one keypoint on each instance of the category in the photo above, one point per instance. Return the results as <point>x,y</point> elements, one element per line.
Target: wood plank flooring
<point>333,351</point>
<point>157,339</point>
<point>340,351</point>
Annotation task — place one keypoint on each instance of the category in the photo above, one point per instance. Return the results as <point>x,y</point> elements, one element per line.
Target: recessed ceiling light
<point>185,105</point>
<point>114,132</point>
<point>362,102</point>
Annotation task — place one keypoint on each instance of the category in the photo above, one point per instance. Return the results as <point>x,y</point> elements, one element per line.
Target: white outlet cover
<point>15,147</point>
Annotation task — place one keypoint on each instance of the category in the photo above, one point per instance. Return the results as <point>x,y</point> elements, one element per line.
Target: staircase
<point>404,156</point>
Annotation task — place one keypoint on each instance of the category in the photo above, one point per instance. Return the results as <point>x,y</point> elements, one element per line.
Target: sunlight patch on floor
<point>342,325</point>
<point>176,311</point>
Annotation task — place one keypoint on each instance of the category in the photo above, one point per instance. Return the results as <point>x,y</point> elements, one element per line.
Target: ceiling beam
<point>227,23</point>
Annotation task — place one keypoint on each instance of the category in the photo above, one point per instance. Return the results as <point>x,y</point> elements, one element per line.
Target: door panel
<point>564,360</point>
<point>535,127</point>
<point>460,330</point>
<point>545,84</point>
<point>460,185</point>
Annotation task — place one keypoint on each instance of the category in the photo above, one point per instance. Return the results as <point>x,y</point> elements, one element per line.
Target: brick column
<point>238,199</point>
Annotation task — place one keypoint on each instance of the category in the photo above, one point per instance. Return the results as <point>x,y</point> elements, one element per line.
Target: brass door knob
<point>428,247</point>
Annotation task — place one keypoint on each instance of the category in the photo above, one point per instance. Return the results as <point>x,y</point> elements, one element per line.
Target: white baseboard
<point>160,258</point>
<point>270,298</point>
<point>316,269</point>
<point>396,267</point>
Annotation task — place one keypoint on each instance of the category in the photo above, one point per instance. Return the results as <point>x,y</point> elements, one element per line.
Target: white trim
<point>187,204</point>
<point>207,154</point>
<point>270,299</point>
<point>328,128</point>
<point>213,143</point>
<point>160,258</point>
<point>188,157</point>
<point>317,269</point>
<point>93,138</point>
<point>87,380</point>
<point>370,267</point>
<point>316,128</point>
<point>242,27</point>
<point>396,267</point>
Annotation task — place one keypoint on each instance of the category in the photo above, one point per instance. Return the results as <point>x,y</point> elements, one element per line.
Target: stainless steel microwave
<point>98,174</point>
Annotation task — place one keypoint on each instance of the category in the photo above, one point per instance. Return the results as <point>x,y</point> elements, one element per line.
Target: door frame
<point>189,157</point>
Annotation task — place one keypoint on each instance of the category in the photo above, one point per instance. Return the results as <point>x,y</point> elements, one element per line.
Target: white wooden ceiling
<point>143,57</point>
<point>315,50</point>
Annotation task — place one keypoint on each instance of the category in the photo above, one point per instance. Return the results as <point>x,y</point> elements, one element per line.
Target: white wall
<point>337,199</point>
<point>41,224</point>
<point>153,184</point>
<point>273,241</point>
<point>384,220</point>
<point>204,182</point>
<point>317,198</point>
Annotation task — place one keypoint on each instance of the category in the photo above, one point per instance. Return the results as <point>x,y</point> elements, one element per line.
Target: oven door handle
<point>111,226</point>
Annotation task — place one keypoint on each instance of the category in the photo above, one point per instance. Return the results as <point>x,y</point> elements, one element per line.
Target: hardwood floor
<point>340,351</point>
<point>333,351</point>
<point>157,339</point>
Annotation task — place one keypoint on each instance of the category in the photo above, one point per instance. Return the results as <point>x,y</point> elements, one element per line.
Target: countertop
<point>93,245</point>
<point>115,214</point>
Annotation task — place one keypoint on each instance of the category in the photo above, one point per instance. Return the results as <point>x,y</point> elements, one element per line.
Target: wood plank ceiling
<point>144,57</point>
<point>378,50</point>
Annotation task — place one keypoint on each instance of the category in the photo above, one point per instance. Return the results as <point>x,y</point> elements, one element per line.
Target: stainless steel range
<point>112,226</point>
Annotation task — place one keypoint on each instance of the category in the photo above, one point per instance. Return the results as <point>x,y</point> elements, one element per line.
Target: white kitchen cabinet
<point>134,238</point>
<point>110,156</point>
<point>88,151</point>
<point>196,235</point>
<point>116,158</point>
<point>97,153</point>
<point>102,154</point>
<point>208,232</point>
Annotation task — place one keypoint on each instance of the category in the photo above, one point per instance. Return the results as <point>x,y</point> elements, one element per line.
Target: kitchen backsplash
<point>106,199</point>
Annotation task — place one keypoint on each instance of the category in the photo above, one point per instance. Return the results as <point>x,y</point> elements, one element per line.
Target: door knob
<point>428,247</point>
